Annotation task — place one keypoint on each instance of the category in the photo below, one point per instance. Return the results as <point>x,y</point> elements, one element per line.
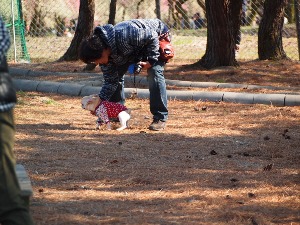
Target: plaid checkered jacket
<point>7,93</point>
<point>4,40</point>
<point>130,42</point>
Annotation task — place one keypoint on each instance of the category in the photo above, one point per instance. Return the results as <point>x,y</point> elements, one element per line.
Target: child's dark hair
<point>91,49</point>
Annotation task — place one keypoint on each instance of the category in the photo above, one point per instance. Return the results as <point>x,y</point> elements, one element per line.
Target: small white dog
<point>106,110</point>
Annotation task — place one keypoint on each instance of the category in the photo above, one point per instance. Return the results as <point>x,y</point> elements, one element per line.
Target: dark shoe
<point>157,125</point>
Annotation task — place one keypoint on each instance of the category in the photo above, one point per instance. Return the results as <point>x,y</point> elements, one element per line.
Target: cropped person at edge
<point>14,210</point>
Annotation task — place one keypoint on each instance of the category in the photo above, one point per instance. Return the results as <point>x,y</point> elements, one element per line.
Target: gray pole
<point>14,30</point>
<point>297,14</point>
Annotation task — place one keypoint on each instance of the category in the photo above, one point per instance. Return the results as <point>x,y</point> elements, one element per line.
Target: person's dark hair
<point>91,49</point>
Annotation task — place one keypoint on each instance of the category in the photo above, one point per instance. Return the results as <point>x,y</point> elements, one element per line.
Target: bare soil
<point>215,163</point>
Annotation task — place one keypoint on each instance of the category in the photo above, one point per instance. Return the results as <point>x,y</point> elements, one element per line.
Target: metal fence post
<point>14,30</point>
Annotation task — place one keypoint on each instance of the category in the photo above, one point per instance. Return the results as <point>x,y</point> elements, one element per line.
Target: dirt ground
<point>283,73</point>
<point>215,163</point>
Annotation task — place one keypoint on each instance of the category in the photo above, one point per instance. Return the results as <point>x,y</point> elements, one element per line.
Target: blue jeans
<point>158,91</point>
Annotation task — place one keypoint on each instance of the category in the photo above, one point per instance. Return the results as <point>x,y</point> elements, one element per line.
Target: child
<point>106,110</point>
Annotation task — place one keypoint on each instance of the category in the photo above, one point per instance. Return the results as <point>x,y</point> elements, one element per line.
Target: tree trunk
<point>201,3</point>
<point>83,30</point>
<point>270,31</point>
<point>297,16</point>
<point>172,13</point>
<point>220,49</point>
<point>254,10</point>
<point>138,9</point>
<point>183,18</point>
<point>289,11</point>
<point>157,9</point>
<point>235,15</point>
<point>112,11</point>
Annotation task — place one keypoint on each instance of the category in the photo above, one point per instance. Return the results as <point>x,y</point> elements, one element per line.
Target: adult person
<point>13,209</point>
<point>192,23</point>
<point>244,11</point>
<point>115,48</point>
<point>198,21</point>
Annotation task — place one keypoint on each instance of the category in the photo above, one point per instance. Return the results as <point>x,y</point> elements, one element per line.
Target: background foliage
<point>44,29</point>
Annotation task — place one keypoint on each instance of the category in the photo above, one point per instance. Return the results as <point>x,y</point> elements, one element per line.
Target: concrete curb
<point>180,83</point>
<point>236,97</point>
<point>143,80</point>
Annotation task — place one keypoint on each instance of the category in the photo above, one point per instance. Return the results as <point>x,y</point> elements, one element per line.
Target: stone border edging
<point>180,83</point>
<point>236,97</point>
<point>143,80</point>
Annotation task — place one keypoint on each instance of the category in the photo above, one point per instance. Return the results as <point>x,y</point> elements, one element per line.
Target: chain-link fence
<point>43,29</point>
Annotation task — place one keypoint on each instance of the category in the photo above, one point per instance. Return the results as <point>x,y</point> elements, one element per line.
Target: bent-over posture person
<point>114,48</point>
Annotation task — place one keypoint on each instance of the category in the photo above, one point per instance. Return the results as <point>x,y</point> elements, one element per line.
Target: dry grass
<point>207,167</point>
